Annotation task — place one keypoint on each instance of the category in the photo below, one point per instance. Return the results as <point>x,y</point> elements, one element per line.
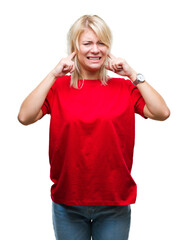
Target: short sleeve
<point>47,105</point>
<point>137,100</point>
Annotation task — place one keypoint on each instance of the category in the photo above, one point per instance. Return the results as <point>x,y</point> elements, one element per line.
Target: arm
<point>30,110</point>
<point>155,107</point>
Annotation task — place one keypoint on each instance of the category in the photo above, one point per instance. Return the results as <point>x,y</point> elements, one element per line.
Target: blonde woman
<point>92,133</point>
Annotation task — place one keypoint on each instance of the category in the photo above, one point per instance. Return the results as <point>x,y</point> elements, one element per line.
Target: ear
<point>77,51</point>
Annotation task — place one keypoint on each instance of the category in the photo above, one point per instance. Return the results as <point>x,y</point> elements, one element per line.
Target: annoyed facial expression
<point>92,53</point>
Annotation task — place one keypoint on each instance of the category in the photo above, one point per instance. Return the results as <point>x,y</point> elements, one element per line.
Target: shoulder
<point>61,83</point>
<point>63,80</point>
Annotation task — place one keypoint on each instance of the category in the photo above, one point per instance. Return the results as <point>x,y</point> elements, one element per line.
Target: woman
<point>92,133</point>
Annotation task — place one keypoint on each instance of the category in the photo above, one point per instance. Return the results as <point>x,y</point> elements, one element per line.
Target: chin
<point>95,67</point>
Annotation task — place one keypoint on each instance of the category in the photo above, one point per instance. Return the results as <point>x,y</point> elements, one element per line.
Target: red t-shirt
<point>92,132</point>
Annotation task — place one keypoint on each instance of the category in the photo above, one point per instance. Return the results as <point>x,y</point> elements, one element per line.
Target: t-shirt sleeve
<point>47,105</point>
<point>137,99</point>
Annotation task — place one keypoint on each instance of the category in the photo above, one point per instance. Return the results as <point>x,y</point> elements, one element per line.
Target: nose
<point>95,49</point>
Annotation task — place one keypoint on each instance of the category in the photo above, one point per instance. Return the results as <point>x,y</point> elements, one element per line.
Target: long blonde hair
<point>102,31</point>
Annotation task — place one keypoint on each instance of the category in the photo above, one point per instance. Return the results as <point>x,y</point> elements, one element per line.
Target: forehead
<point>88,35</point>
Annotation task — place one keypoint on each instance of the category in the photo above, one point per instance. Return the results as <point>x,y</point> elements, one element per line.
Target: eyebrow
<point>89,41</point>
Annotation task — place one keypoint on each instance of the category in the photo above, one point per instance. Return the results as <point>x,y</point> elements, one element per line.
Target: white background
<point>152,37</point>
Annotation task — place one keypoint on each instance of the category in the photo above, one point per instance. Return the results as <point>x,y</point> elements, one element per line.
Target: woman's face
<point>92,53</point>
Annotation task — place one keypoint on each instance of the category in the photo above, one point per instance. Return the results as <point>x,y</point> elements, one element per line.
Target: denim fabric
<point>83,222</point>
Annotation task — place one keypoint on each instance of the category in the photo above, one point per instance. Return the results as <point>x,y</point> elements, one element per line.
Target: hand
<point>65,66</point>
<point>119,66</point>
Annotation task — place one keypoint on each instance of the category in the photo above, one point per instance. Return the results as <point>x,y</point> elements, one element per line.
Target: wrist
<point>133,76</point>
<point>139,79</point>
<point>52,76</point>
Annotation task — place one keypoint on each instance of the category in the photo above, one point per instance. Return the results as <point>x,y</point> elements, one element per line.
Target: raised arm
<point>155,107</point>
<point>30,110</point>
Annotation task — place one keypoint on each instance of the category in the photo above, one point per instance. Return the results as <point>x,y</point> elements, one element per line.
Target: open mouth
<point>94,58</point>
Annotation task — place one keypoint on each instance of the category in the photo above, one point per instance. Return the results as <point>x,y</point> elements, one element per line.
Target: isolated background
<point>152,37</point>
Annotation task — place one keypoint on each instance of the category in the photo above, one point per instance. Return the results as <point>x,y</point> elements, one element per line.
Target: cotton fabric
<point>91,142</point>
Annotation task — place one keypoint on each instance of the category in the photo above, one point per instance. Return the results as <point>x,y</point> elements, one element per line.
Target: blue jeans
<point>83,222</point>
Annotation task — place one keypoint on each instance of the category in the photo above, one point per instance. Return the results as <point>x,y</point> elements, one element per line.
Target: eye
<point>87,43</point>
<point>101,43</point>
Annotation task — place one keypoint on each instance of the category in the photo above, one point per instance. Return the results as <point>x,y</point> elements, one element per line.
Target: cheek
<point>82,58</point>
<point>83,50</point>
<point>105,51</point>
<point>82,54</point>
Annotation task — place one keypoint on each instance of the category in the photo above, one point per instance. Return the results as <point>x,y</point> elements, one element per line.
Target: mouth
<point>94,58</point>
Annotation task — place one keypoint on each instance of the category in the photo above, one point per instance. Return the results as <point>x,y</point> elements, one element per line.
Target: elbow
<point>22,119</point>
<point>166,114</point>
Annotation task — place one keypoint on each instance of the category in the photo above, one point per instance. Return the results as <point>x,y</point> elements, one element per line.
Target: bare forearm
<point>32,104</point>
<point>156,107</point>
<point>154,101</point>
<point>30,110</point>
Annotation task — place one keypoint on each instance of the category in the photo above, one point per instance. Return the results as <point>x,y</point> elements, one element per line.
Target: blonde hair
<point>102,31</point>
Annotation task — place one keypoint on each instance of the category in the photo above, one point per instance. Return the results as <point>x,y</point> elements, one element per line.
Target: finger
<point>107,67</point>
<point>69,68</point>
<point>66,67</point>
<point>114,68</point>
<point>111,56</point>
<point>118,66</point>
<point>73,68</point>
<point>111,65</point>
<point>72,55</point>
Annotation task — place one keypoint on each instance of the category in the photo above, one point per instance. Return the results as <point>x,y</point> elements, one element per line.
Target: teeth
<point>94,58</point>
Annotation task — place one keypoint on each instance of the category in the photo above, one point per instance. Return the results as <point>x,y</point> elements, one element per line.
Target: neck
<point>90,75</point>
